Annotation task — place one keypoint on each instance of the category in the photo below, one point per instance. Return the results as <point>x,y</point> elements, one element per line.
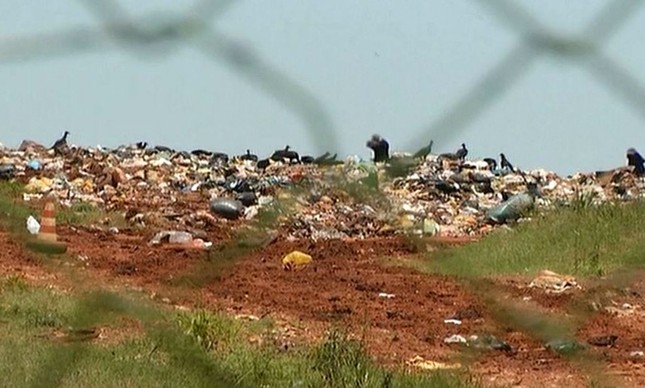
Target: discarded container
<point>295,259</point>
<point>228,208</point>
<point>512,209</point>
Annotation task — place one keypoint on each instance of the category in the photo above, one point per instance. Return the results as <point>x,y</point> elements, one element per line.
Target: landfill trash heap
<point>350,198</point>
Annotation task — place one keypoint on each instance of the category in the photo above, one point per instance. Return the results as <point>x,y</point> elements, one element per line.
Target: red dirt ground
<point>341,287</point>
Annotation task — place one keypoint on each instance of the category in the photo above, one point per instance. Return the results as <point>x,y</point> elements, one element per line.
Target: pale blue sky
<point>387,67</point>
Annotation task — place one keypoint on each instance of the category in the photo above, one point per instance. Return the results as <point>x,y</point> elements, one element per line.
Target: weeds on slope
<point>579,240</point>
<point>192,349</point>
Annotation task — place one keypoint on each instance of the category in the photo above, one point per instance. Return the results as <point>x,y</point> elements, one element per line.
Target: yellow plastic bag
<point>295,259</point>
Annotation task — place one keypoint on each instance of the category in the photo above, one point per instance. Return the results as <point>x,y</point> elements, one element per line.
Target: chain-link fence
<point>159,37</point>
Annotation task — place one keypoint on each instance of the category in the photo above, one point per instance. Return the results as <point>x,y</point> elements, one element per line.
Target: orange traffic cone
<point>47,239</point>
<point>48,223</point>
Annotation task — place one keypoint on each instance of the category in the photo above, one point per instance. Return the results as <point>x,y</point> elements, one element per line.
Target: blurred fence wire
<point>535,40</point>
<point>161,34</point>
<point>151,38</point>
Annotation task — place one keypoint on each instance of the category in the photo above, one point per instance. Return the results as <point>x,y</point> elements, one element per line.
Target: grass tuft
<point>582,240</point>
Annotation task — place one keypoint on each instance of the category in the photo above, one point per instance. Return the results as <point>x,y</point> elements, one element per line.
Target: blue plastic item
<point>511,209</point>
<point>34,165</point>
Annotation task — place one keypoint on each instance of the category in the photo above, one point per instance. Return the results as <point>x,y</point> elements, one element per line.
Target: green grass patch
<point>191,349</point>
<point>84,213</point>
<point>576,240</point>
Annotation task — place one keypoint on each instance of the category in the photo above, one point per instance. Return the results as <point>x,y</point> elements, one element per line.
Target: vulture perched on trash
<point>60,146</point>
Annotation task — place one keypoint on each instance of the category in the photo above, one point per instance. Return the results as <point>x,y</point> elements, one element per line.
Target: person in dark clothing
<point>636,160</point>
<point>380,147</point>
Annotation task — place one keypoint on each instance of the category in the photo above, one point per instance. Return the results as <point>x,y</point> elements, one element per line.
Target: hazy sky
<point>387,67</point>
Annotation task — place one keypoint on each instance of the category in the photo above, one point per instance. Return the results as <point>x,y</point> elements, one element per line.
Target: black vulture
<point>60,146</point>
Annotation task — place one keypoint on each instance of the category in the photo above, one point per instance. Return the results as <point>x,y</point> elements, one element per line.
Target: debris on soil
<point>511,209</point>
<point>452,321</point>
<point>7,171</point>
<point>481,342</point>
<point>621,310</point>
<point>295,259</point>
<point>470,312</point>
<point>385,295</point>
<point>607,340</point>
<point>564,346</point>
<point>353,198</point>
<point>227,208</point>
<point>553,282</point>
<point>488,341</point>
<point>74,335</point>
<point>421,363</point>
<point>455,339</point>
<point>178,239</point>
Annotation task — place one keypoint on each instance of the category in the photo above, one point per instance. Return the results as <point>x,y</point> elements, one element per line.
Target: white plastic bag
<point>32,225</point>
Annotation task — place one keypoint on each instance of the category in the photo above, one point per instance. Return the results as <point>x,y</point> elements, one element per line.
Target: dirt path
<point>347,286</point>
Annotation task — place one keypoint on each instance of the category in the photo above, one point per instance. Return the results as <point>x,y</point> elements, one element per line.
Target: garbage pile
<point>319,198</point>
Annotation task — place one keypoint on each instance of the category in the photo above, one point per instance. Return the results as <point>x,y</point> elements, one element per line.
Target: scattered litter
<point>482,342</point>
<point>32,225</point>
<point>637,353</point>
<point>228,208</point>
<point>247,317</point>
<point>295,259</point>
<point>430,227</point>
<point>452,321</point>
<point>7,171</point>
<point>470,312</point>
<point>455,339</point>
<point>179,239</point>
<point>607,340</point>
<point>622,310</point>
<point>172,237</point>
<point>553,282</point>
<point>431,197</point>
<point>385,295</point>
<point>488,341</point>
<point>564,346</point>
<point>512,209</point>
<point>34,165</point>
<point>421,363</point>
